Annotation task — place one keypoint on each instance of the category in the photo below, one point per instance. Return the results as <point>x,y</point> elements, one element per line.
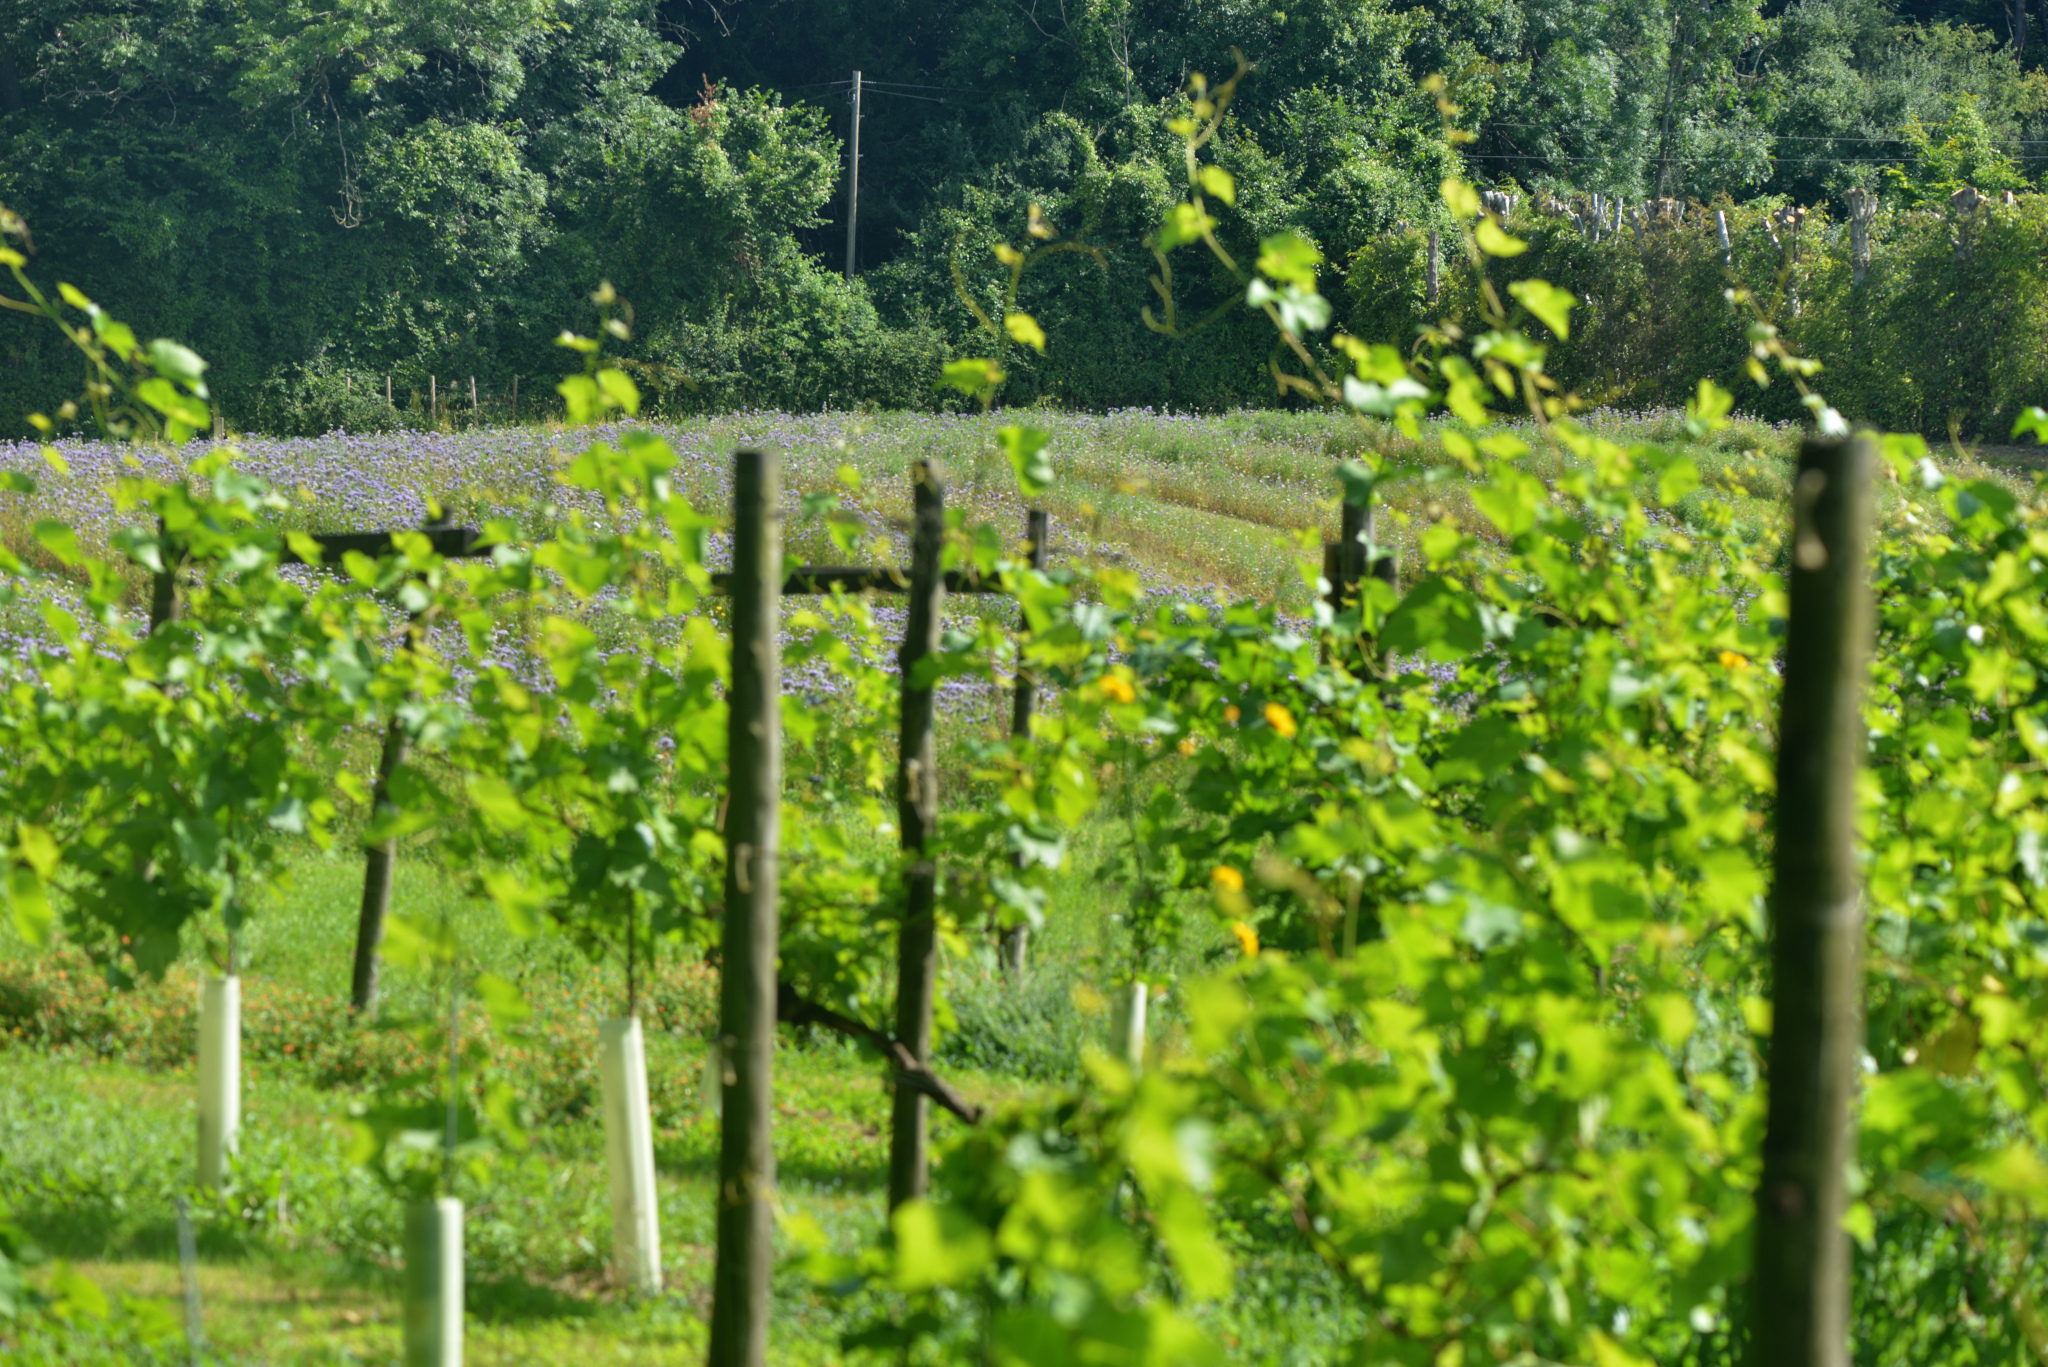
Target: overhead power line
<point>1734,133</point>
<point>1698,158</point>
<point>899,95</point>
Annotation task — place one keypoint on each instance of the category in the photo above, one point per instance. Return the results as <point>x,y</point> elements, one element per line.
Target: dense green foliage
<point>422,191</point>
<point>1944,332</point>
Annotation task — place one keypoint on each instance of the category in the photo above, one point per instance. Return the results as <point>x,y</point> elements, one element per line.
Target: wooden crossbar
<point>810,579</point>
<point>453,542</point>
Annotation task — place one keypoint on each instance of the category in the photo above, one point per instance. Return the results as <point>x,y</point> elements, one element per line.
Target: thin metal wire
<point>1788,137</point>
<point>899,95</point>
<point>956,89</point>
<point>1699,158</point>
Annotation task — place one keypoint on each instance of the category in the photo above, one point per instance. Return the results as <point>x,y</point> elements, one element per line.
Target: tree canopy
<point>425,189</point>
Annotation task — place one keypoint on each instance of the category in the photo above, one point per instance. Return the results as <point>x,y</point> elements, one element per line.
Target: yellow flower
<point>1231,713</point>
<point>1188,746</point>
<point>1224,876</point>
<point>1247,938</point>
<point>1280,719</point>
<point>1731,660</point>
<point>1116,689</point>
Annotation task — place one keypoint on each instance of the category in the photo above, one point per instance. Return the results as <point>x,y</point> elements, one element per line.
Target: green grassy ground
<point>298,1257</point>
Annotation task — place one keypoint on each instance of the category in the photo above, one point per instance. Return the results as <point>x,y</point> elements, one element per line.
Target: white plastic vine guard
<point>433,1283</point>
<point>1133,1041</point>
<point>220,1075</point>
<point>629,1146</point>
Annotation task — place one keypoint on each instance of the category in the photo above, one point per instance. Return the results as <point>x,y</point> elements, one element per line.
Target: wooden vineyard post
<point>381,859</point>
<point>1801,1278</point>
<point>917,811</point>
<point>747,1003</point>
<point>1360,540</point>
<point>166,595</point>
<point>1355,556</point>
<point>1016,941</point>
<point>378,863</point>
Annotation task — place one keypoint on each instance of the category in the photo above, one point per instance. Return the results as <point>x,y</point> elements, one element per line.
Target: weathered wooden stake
<point>166,594</point>
<point>378,863</point>
<point>1801,1278</point>
<point>746,1156</point>
<point>917,812</point>
<point>1435,264</point>
<point>1016,941</point>
<point>1351,560</point>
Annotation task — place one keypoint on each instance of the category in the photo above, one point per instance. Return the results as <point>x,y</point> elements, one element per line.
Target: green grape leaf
<point>1218,182</point>
<point>1495,242</point>
<point>1025,331</point>
<point>1025,448</point>
<point>1290,259</point>
<point>971,375</point>
<point>1551,305</point>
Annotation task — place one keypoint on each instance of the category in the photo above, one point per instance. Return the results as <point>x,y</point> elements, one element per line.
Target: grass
<point>298,1258</point>
<point>299,1255</point>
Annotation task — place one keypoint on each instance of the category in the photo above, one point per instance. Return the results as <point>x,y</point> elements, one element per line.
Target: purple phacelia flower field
<point>1205,509</point>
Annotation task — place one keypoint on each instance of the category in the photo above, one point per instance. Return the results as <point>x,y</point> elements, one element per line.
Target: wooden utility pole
<point>853,180</point>
<point>917,814</point>
<point>746,1017</point>
<point>1016,940</point>
<point>1800,1286</point>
